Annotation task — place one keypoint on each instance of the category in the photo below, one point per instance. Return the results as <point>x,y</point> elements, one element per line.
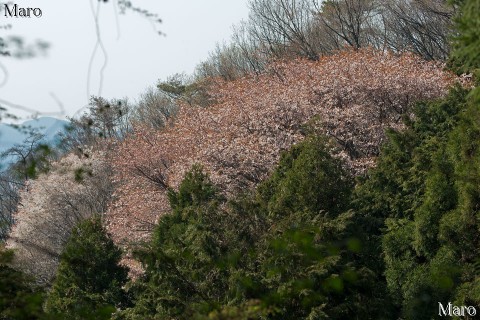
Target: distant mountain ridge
<point>48,126</point>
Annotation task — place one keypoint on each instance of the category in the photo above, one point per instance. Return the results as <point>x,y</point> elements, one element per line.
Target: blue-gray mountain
<point>50,127</point>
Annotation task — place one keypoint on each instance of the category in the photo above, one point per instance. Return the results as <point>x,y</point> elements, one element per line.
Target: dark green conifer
<point>90,281</point>
<point>19,298</point>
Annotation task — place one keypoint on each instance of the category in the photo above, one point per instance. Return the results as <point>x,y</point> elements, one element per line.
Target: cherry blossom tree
<point>352,97</point>
<point>51,205</point>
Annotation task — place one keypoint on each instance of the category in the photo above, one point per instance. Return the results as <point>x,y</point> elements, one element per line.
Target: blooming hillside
<point>75,189</point>
<point>351,97</point>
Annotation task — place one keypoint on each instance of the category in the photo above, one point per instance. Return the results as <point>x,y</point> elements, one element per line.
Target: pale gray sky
<point>138,59</point>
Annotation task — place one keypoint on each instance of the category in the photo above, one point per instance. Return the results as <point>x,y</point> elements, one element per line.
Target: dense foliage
<point>89,282</point>
<point>418,193</point>
<point>19,298</point>
<point>288,251</point>
<point>466,43</point>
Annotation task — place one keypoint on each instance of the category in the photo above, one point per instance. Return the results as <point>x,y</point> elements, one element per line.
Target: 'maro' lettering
<point>459,311</point>
<point>17,12</point>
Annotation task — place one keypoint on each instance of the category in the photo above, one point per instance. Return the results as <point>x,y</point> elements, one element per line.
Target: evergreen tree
<point>309,260</point>
<point>290,251</point>
<point>89,279</point>
<point>425,191</point>
<point>467,40</point>
<point>19,299</point>
<point>307,179</point>
<point>187,263</point>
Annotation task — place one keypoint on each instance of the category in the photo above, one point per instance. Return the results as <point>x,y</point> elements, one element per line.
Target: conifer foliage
<point>187,266</point>
<point>287,252</point>
<point>311,260</point>
<point>19,298</point>
<point>89,282</point>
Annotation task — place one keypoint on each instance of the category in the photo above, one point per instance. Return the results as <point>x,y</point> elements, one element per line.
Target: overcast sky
<point>136,60</point>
